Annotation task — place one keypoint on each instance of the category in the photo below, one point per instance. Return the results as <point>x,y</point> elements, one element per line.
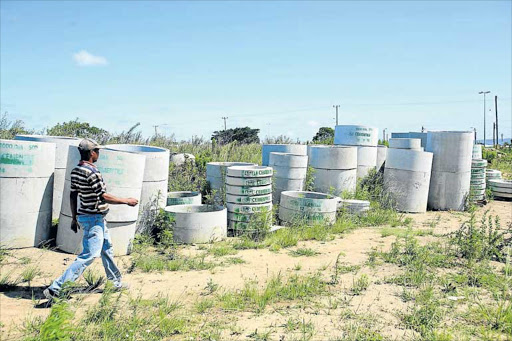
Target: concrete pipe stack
<point>156,172</point>
<point>451,169</point>
<point>407,176</point>
<point>501,188</point>
<point>26,192</point>
<point>355,207</point>
<point>289,173</point>
<point>183,198</point>
<point>62,144</point>
<point>296,149</point>
<point>365,139</point>
<point>334,168</point>
<point>248,191</point>
<point>123,174</point>
<point>216,178</point>
<point>492,174</point>
<point>477,183</point>
<point>298,207</point>
<point>477,151</point>
<point>198,223</point>
<point>382,152</point>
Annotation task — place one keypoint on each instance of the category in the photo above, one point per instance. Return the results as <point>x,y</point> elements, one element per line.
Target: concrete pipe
<point>403,143</point>
<point>309,149</point>
<point>243,199</point>
<point>287,215</point>
<point>309,201</point>
<point>123,174</point>
<point>249,171</point>
<point>451,168</point>
<point>333,157</point>
<point>26,195</point>
<point>477,151</point>
<point>296,149</point>
<point>339,181</point>
<point>419,135</point>
<point>183,198</point>
<point>156,171</point>
<point>356,207</point>
<point>400,135</point>
<point>288,160</point>
<point>407,177</point>
<point>216,176</point>
<point>366,160</point>
<point>121,235</point>
<point>501,185</point>
<point>241,190</point>
<point>289,173</point>
<point>382,152</point>
<point>478,163</point>
<point>247,209</point>
<point>356,135</point>
<point>62,144</point>
<point>248,181</point>
<point>180,159</point>
<point>248,217</point>
<point>198,223</point>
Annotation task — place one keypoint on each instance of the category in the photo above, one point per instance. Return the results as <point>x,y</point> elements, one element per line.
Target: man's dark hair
<point>85,155</point>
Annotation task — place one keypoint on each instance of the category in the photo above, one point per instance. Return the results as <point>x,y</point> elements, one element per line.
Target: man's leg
<point>92,243</point>
<point>107,257</point>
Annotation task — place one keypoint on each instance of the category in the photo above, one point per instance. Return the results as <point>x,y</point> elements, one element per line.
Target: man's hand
<point>132,202</point>
<point>74,226</point>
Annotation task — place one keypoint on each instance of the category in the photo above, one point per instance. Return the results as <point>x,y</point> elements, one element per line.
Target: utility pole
<point>484,93</point>
<point>155,126</point>
<point>496,109</point>
<point>225,118</point>
<point>501,137</point>
<point>494,134</point>
<point>336,106</point>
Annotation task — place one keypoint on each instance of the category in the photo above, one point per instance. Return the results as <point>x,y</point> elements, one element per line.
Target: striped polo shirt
<point>86,179</point>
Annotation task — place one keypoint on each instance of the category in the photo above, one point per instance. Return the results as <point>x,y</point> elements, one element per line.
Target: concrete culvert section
<point>308,207</point>
<point>296,149</point>
<point>365,139</point>
<point>198,223</point>
<point>382,152</point>
<point>403,143</point>
<point>451,169</point>
<point>156,172</point>
<point>356,207</point>
<point>216,178</point>
<point>123,173</point>
<point>501,188</point>
<point>334,167</point>
<point>62,144</point>
<point>289,173</point>
<point>407,178</point>
<point>26,192</point>
<point>477,151</point>
<point>183,198</point>
<point>477,183</point>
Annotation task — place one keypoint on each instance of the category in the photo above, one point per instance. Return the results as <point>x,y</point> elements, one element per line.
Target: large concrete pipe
<point>62,144</point>
<point>198,223</point>
<point>405,143</point>
<point>156,172</point>
<point>296,149</point>
<point>407,177</point>
<point>308,207</point>
<point>183,198</point>
<point>451,169</point>
<point>366,139</point>
<point>123,173</point>
<point>26,192</point>
<point>334,167</point>
<point>382,152</point>
<point>421,136</point>
<point>289,173</point>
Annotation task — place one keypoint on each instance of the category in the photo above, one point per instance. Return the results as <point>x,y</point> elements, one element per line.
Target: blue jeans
<point>96,242</point>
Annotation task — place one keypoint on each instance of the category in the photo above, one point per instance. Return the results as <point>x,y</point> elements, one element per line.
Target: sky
<point>278,66</point>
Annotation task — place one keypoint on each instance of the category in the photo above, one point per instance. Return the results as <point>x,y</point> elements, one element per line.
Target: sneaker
<point>50,294</point>
<point>121,286</point>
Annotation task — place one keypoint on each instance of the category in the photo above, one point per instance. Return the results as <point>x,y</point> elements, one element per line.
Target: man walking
<point>87,184</point>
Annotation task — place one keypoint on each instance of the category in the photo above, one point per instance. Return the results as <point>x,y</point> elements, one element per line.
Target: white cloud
<point>84,58</point>
<point>313,123</point>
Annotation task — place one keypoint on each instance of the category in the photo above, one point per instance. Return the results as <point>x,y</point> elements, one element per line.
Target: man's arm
<point>112,199</point>
<point>73,198</point>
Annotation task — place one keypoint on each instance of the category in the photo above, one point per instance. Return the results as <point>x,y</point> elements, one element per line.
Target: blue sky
<point>277,66</point>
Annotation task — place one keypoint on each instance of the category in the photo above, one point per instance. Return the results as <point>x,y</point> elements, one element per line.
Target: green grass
<point>222,249</point>
<point>401,232</point>
<point>360,285</point>
<point>303,251</point>
<point>29,273</point>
